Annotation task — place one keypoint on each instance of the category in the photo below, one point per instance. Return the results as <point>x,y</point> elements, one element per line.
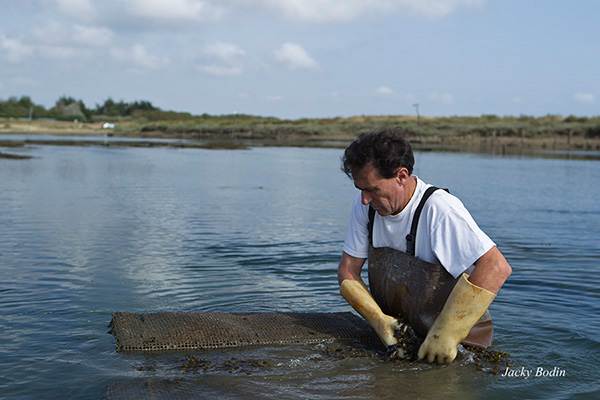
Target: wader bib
<point>405,285</point>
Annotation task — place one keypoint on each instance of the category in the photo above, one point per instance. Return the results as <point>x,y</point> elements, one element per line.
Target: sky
<point>308,58</point>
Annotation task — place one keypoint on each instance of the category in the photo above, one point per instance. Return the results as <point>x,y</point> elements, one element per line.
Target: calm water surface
<point>88,231</point>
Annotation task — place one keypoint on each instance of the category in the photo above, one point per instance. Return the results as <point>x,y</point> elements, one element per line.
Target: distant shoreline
<point>474,138</point>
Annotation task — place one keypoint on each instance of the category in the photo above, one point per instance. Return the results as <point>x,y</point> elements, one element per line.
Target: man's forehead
<point>366,188</point>
<point>368,172</point>
<point>366,178</point>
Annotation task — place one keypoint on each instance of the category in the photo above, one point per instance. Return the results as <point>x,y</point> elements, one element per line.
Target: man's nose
<point>366,198</point>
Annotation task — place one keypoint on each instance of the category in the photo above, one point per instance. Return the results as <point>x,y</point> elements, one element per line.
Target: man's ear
<point>401,176</point>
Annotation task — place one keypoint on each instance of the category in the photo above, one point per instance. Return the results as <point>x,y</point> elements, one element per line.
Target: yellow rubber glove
<point>463,308</point>
<point>358,296</point>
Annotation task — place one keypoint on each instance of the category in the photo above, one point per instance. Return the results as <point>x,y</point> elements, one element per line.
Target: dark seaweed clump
<point>195,364</point>
<point>405,351</point>
<point>489,360</point>
<point>407,347</point>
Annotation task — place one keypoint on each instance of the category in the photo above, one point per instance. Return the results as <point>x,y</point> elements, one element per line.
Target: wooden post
<point>416,105</point>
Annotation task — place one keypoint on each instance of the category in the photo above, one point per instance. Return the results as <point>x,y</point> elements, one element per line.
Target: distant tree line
<point>69,108</point>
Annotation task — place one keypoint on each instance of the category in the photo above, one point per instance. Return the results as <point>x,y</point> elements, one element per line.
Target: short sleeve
<point>356,243</point>
<point>456,240</point>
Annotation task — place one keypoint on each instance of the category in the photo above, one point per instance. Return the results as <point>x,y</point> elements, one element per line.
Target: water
<point>88,231</point>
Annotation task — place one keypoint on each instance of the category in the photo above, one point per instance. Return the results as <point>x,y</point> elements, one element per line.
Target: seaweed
<point>407,347</point>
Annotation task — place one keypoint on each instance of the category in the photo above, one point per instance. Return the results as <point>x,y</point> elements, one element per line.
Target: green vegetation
<point>142,119</point>
<point>68,108</point>
<point>487,127</point>
<point>21,108</point>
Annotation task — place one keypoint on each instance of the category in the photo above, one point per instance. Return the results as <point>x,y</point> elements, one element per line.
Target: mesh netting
<point>166,331</point>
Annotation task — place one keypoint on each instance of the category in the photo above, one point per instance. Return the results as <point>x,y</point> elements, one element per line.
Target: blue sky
<point>308,58</point>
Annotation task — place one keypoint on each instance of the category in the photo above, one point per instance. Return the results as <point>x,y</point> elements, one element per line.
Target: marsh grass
<point>427,129</point>
<point>549,132</point>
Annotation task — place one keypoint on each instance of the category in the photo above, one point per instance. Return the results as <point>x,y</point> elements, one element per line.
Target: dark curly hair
<point>386,149</point>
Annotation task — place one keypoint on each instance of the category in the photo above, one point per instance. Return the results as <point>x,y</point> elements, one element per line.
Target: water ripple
<point>90,231</point>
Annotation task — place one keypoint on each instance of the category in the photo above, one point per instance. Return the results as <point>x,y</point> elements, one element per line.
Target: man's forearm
<point>355,292</point>
<point>350,268</point>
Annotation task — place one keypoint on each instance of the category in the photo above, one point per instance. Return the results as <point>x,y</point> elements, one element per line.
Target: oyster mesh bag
<point>168,331</point>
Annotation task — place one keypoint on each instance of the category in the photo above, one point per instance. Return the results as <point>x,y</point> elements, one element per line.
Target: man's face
<point>386,196</point>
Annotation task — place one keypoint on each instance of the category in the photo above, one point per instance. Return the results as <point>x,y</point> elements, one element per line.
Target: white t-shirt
<point>446,233</point>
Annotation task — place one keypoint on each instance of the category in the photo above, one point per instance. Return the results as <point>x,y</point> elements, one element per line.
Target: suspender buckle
<point>410,244</point>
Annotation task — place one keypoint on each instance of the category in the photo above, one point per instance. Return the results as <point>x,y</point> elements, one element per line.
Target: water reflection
<point>87,231</point>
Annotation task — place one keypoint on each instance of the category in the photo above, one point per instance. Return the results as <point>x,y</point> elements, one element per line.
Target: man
<point>429,262</point>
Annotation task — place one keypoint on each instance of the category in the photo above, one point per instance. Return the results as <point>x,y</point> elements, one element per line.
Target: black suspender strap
<point>371,223</point>
<point>410,238</point>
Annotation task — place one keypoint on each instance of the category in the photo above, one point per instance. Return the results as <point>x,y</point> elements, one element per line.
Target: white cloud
<point>13,50</point>
<point>78,9</point>
<point>384,91</point>
<point>220,70</point>
<point>168,11</point>
<point>444,98</point>
<point>55,41</point>
<point>222,59</point>
<point>58,52</point>
<point>139,57</point>
<point>437,8</point>
<point>295,57</point>
<point>348,10</point>
<point>517,100</point>
<point>51,33</point>
<point>584,97</point>
<point>226,52</point>
<point>92,36</point>
<point>275,98</point>
<point>172,10</point>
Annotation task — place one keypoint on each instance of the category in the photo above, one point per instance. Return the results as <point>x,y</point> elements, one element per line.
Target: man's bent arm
<point>491,271</point>
<point>466,304</point>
